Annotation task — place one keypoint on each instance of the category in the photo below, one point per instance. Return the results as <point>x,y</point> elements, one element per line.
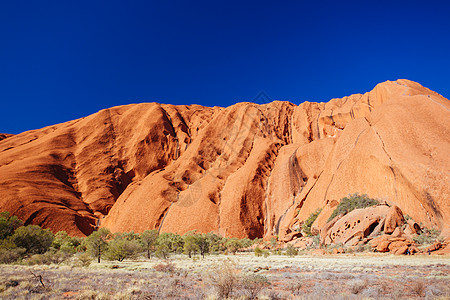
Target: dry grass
<point>278,277</point>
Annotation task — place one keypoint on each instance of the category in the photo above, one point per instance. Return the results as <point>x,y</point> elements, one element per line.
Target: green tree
<point>148,240</point>
<point>162,251</point>
<point>203,244</point>
<point>97,244</point>
<point>173,241</point>
<point>33,239</point>
<point>233,245</point>
<point>65,242</point>
<point>190,246</point>
<point>216,242</point>
<point>121,248</point>
<point>8,224</point>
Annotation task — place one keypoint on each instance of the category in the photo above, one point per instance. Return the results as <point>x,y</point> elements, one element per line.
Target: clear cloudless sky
<point>62,60</point>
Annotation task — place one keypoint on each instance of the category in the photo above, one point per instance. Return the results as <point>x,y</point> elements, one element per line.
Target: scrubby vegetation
<point>37,264</point>
<point>33,245</point>
<point>427,236</point>
<point>352,202</point>
<point>308,222</point>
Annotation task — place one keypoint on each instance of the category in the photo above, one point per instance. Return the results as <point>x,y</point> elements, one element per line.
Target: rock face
<point>245,170</point>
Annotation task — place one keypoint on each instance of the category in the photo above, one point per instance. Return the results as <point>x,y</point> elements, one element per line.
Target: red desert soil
<point>245,170</point>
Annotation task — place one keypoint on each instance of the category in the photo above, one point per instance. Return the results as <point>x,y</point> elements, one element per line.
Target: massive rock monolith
<point>247,170</point>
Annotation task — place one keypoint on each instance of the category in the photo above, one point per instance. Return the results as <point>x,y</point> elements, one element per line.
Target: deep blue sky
<point>61,60</point>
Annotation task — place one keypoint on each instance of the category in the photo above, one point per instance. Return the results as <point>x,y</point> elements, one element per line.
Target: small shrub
<point>253,284</point>
<point>306,227</point>
<point>258,252</point>
<point>49,257</point>
<point>352,202</point>
<point>84,260</point>
<point>273,295</point>
<point>120,248</point>
<point>357,286</point>
<point>8,224</point>
<point>295,288</point>
<point>223,278</point>
<point>291,251</point>
<point>427,236</point>
<point>418,288</point>
<point>273,241</point>
<point>11,255</point>
<point>33,238</point>
<point>316,241</point>
<point>167,267</point>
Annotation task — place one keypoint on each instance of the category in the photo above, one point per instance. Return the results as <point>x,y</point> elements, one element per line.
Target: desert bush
<point>277,252</point>
<point>295,288</point>
<point>291,251</point>
<point>253,284</point>
<point>10,255</point>
<point>223,278</point>
<point>306,227</point>
<point>84,260</point>
<point>33,239</point>
<point>121,248</point>
<point>273,241</point>
<point>50,257</point>
<point>316,241</point>
<point>166,267</point>
<point>352,202</point>
<point>418,287</point>
<point>258,252</point>
<point>233,245</point>
<point>357,286</point>
<point>427,236</point>
<point>66,243</point>
<point>261,252</point>
<point>407,217</point>
<point>273,295</point>
<point>8,224</point>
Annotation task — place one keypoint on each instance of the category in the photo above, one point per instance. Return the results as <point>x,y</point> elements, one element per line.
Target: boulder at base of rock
<point>318,252</point>
<point>355,225</point>
<point>398,232</point>
<point>394,218</point>
<point>436,246</point>
<point>290,236</point>
<point>399,247</point>
<point>383,246</point>
<point>302,242</point>
<point>338,250</point>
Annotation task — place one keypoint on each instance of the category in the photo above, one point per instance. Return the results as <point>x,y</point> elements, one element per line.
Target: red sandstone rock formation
<point>245,170</point>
